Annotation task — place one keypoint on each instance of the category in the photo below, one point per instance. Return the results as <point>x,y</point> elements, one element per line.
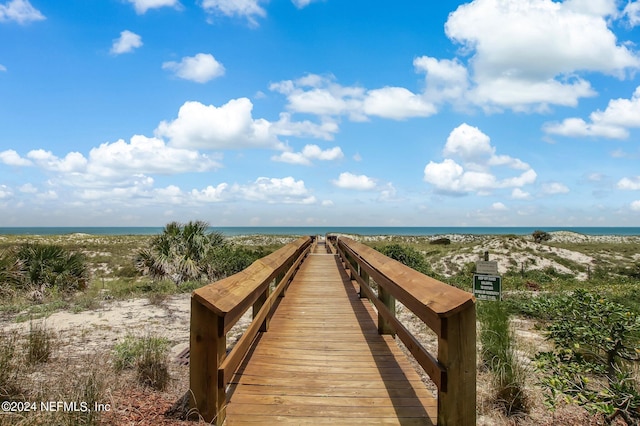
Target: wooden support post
<point>208,346</point>
<point>279,279</point>
<point>257,305</point>
<point>363,274</point>
<point>457,353</point>
<point>384,326</point>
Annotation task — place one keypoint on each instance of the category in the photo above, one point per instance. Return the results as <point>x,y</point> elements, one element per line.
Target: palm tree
<point>43,266</point>
<point>180,253</point>
<point>11,270</point>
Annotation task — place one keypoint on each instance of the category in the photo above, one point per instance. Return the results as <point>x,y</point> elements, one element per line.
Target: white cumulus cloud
<point>396,103</point>
<point>73,162</point>
<point>446,80</point>
<point>28,188</point>
<point>249,9</point>
<point>498,206</point>
<point>148,156</point>
<point>519,194</point>
<point>473,148</point>
<point>127,42</point>
<point>348,180</point>
<point>315,94</point>
<point>553,188</point>
<point>200,68</point>
<point>12,158</point>
<point>118,163</point>
<point>142,6</point>
<point>211,194</point>
<point>309,153</point>
<point>275,190</point>
<point>5,192</point>
<point>300,4</point>
<point>526,53</point>
<point>635,206</point>
<point>230,126</point>
<point>613,123</point>
<point>632,12</point>
<point>285,190</point>
<point>286,127</point>
<point>20,11</point>
<point>632,183</point>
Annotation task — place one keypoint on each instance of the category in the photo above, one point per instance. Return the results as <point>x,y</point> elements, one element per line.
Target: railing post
<point>363,274</point>
<point>279,278</point>
<point>208,346</point>
<point>457,353</point>
<point>384,326</point>
<point>257,305</point>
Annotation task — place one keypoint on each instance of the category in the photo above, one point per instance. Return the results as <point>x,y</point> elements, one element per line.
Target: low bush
<point>407,256</point>
<point>540,236</point>
<point>42,268</point>
<point>597,340</point>
<point>441,241</point>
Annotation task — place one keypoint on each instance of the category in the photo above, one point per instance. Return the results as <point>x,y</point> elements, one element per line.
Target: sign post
<point>487,284</point>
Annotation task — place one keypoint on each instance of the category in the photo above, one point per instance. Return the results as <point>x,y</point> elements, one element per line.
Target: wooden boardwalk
<point>323,362</point>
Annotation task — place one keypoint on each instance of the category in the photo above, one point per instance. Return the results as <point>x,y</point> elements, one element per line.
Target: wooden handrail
<point>447,310</point>
<point>217,307</point>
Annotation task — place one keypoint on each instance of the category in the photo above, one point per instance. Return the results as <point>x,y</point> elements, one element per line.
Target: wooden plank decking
<point>323,362</point>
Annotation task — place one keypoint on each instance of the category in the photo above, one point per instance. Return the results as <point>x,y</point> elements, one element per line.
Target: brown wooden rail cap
<point>236,291</point>
<point>440,298</point>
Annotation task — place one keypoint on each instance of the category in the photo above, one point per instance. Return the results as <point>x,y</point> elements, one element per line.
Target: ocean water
<point>321,230</point>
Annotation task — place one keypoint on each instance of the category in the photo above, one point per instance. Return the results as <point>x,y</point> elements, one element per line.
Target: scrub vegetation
<point>561,348</point>
<point>582,297</point>
<point>43,275</point>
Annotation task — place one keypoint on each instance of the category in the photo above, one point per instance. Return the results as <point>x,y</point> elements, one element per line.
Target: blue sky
<point>320,112</point>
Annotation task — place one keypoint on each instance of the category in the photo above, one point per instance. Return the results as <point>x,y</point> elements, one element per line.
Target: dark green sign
<point>487,287</point>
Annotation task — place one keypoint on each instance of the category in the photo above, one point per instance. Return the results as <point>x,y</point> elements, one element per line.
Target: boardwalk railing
<point>448,311</point>
<point>217,307</point>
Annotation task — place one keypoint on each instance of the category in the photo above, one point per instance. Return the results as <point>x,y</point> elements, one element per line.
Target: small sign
<point>487,287</point>
<point>487,267</point>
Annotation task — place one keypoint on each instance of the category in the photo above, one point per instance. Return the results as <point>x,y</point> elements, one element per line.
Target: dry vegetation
<point>66,347</point>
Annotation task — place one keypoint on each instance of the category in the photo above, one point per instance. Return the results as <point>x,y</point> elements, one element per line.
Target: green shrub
<point>540,236</point>
<point>43,267</point>
<point>598,328</point>
<point>407,256</point>
<point>441,241</point>
<point>596,340</point>
<point>228,260</point>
